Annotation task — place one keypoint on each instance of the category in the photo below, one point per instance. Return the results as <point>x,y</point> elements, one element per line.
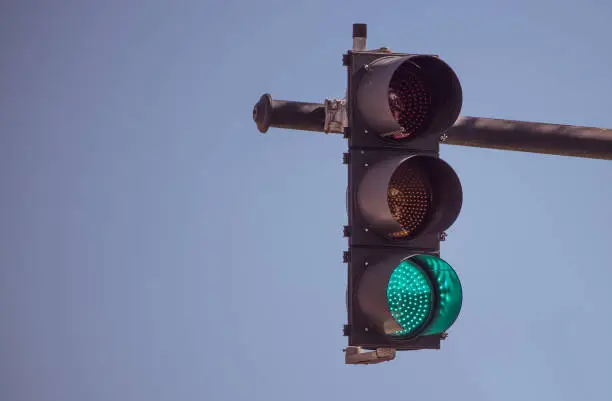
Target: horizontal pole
<point>288,114</point>
<point>490,133</point>
<point>553,139</point>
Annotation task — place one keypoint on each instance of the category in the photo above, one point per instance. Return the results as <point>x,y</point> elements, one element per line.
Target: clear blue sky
<point>155,246</point>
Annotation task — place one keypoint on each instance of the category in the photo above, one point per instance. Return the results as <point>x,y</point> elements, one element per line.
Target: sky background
<point>155,246</point>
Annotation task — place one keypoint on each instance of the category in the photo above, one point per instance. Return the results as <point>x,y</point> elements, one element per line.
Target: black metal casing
<point>368,149</point>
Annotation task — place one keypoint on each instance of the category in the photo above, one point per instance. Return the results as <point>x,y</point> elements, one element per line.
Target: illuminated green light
<point>424,296</point>
<point>410,297</point>
<point>450,294</point>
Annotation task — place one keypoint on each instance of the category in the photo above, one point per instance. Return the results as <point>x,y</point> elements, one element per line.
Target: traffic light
<point>401,198</point>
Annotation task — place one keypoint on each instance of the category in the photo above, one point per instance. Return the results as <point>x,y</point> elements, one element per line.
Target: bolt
<point>443,236</point>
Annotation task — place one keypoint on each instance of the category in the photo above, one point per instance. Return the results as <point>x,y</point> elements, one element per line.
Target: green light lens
<point>410,297</point>
<point>450,294</point>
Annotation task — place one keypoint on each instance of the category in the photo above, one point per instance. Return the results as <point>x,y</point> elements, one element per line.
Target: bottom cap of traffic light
<point>421,295</point>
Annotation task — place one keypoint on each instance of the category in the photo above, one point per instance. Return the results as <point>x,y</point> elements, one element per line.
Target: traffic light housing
<point>401,198</point>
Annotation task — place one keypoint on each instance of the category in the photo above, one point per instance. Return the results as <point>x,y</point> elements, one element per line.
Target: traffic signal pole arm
<point>328,117</point>
<point>491,133</point>
<point>553,139</point>
<point>288,114</point>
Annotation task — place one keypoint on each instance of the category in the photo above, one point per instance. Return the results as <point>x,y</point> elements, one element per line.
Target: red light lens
<point>409,100</point>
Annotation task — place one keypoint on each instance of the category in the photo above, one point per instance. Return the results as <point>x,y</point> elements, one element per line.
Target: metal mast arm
<point>554,139</point>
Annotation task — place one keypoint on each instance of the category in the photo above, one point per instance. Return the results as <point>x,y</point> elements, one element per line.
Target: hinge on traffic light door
<point>347,231</point>
<point>346,257</point>
<point>357,356</point>
<point>346,59</point>
<point>346,158</point>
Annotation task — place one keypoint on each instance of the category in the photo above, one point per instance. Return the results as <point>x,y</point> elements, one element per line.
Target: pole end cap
<point>262,113</point>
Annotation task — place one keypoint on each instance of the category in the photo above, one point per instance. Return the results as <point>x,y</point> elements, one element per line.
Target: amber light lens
<point>409,198</point>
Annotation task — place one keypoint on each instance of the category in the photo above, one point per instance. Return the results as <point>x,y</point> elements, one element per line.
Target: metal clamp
<point>335,116</point>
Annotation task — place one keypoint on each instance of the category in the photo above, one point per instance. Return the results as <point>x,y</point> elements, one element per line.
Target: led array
<point>410,297</point>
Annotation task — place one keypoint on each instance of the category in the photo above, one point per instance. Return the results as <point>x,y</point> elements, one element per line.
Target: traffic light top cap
<point>405,96</point>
